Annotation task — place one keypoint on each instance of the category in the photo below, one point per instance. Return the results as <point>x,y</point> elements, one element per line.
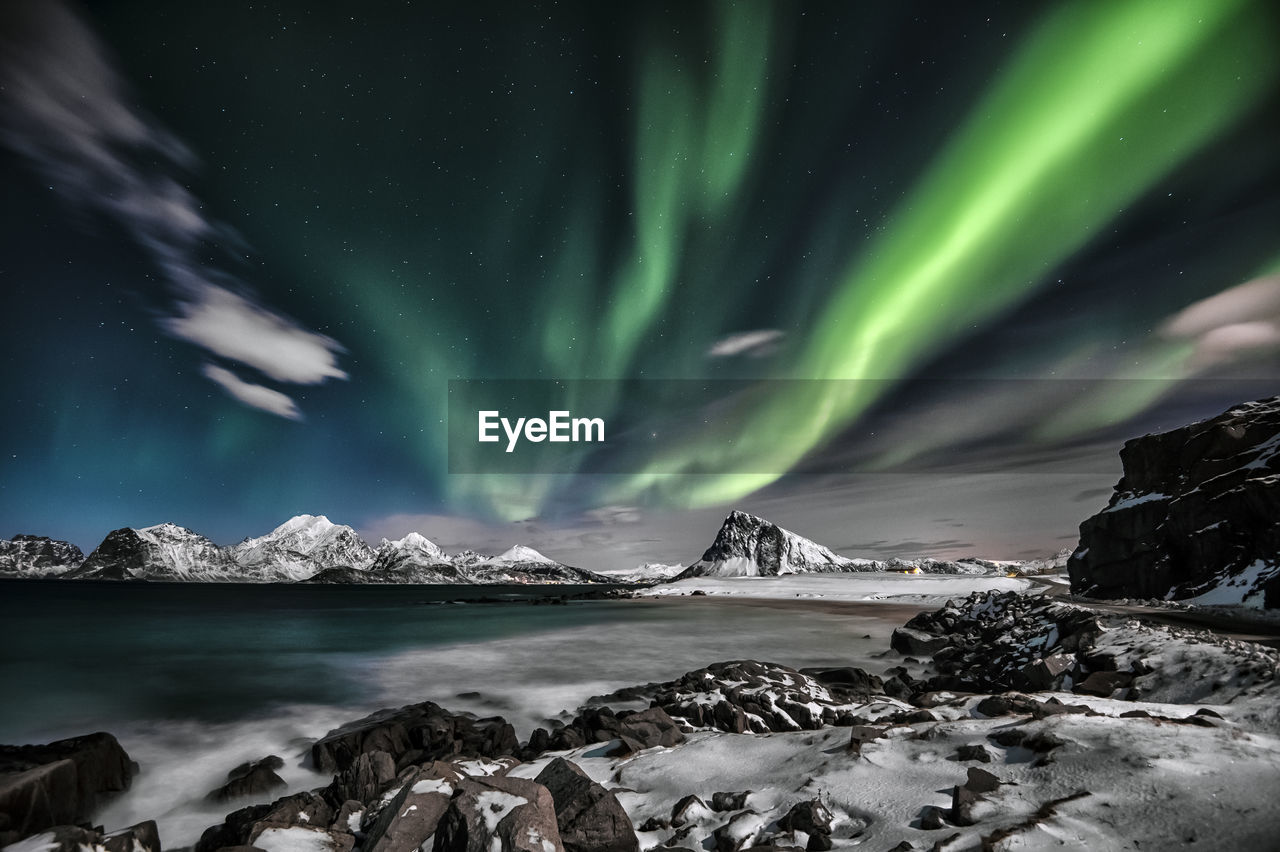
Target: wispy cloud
<point>255,396</point>
<point>66,110</point>
<point>756,344</point>
<point>235,328</point>
<point>1240,320</point>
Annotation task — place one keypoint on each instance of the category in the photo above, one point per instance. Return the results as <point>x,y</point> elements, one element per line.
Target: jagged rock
<point>740,832</point>
<point>932,818</point>
<point>242,827</point>
<point>371,773</point>
<point>648,729</point>
<point>963,805</point>
<point>143,837</point>
<point>860,735</point>
<point>62,782</point>
<point>747,695</point>
<point>1104,683</point>
<point>233,830</point>
<point>981,781</point>
<point>905,640</point>
<point>729,801</point>
<point>690,809</point>
<point>811,817</point>
<point>250,779</point>
<point>37,556</point>
<point>847,681</point>
<point>290,838</point>
<point>414,734</point>
<point>589,817</point>
<point>513,814</point>
<point>415,812</point>
<point>1196,511</point>
<point>1047,673</point>
<point>977,752</point>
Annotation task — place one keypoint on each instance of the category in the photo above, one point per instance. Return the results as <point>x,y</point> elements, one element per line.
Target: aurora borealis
<point>246,248</point>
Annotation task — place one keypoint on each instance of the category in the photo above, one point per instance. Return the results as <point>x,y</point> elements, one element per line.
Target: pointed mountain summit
<point>301,547</point>
<point>747,546</point>
<point>520,553</point>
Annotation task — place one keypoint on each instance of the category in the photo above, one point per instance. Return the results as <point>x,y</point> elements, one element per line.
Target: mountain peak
<point>521,553</point>
<point>304,522</point>
<point>749,546</point>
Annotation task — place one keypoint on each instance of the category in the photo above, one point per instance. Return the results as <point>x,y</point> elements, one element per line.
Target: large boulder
<point>511,814</point>
<point>62,782</point>
<point>255,778</point>
<point>414,734</point>
<point>413,815</point>
<point>1196,513</point>
<point>364,780</point>
<point>589,817</point>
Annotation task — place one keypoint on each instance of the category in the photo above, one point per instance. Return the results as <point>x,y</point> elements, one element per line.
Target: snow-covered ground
<point>1146,783</point>
<point>889,587</point>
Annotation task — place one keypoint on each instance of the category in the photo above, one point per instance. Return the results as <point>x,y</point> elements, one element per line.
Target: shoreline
<point>886,752</point>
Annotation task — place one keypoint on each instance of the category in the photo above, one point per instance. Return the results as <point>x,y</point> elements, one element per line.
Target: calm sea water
<point>194,679</point>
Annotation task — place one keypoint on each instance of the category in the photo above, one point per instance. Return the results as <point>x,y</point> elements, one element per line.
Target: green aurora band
<point>1098,104</point>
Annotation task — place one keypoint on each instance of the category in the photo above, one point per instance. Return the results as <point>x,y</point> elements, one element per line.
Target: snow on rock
<point>748,546</point>
<point>1196,515</point>
<point>302,546</point>
<point>520,553</point>
<point>37,556</point>
<point>161,552</point>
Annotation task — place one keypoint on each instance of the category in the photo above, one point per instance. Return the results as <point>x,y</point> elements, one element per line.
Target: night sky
<point>246,247</point>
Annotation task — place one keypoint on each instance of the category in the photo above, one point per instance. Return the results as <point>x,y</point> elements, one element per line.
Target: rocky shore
<point>1000,721</point>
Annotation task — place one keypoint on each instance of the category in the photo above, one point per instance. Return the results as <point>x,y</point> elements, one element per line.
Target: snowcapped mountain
<point>307,548</point>
<point>301,547</point>
<point>412,559</point>
<point>649,572</point>
<point>162,552</point>
<point>520,553</point>
<point>747,546</point>
<point>37,556</point>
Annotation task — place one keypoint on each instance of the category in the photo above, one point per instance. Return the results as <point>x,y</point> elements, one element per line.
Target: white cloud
<point>255,396</point>
<point>67,111</point>
<point>1240,320</point>
<point>756,344</point>
<point>238,329</point>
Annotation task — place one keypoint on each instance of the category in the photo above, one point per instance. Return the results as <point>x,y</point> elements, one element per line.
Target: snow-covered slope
<point>521,565</point>
<point>305,548</point>
<point>649,572</point>
<point>412,559</point>
<point>747,546</point>
<point>301,547</point>
<point>520,553</point>
<point>37,556</point>
<point>161,552</point>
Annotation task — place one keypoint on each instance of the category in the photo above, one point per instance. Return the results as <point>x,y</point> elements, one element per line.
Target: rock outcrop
<point>414,734</point>
<point>61,783</point>
<point>1196,515</point>
<point>37,556</point>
